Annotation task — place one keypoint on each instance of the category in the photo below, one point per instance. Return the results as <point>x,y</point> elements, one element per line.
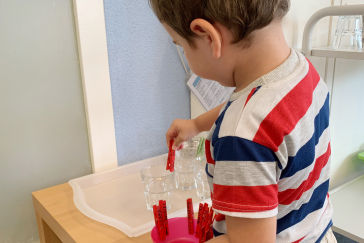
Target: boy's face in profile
<point>201,59</point>
<point>214,55</point>
<point>197,58</point>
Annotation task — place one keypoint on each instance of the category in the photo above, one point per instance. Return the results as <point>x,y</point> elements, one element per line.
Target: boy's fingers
<point>167,140</point>
<point>178,143</point>
<point>169,136</point>
<point>180,147</point>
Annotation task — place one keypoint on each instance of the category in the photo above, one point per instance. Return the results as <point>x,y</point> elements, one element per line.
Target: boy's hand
<point>181,131</point>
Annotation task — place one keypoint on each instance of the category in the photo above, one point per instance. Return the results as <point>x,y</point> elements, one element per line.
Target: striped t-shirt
<point>268,154</point>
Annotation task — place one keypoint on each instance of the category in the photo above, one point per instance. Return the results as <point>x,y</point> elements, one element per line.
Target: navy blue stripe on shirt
<point>306,154</point>
<point>324,233</point>
<point>256,90</point>
<point>316,202</point>
<point>216,233</point>
<point>207,171</point>
<point>241,149</point>
<point>218,122</point>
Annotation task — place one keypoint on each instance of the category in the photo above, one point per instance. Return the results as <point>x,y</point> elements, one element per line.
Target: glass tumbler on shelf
<point>201,181</point>
<point>183,167</point>
<point>158,185</point>
<point>349,33</point>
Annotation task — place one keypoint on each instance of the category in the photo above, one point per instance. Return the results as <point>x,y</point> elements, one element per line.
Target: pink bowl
<point>178,232</point>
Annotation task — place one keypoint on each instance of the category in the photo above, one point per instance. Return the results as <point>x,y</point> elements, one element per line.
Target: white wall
<point>43,134</point>
<point>296,19</point>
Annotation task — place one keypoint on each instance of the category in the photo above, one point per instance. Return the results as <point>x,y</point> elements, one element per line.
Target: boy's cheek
<point>197,69</point>
<point>191,62</point>
<point>196,64</point>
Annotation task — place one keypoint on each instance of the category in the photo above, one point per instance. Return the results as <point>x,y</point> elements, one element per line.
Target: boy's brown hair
<point>242,17</point>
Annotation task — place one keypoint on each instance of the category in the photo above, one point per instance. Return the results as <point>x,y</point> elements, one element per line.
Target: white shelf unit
<point>328,52</point>
<point>307,49</point>
<point>348,199</point>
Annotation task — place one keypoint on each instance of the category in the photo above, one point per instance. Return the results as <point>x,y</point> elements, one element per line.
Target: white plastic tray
<point>116,198</point>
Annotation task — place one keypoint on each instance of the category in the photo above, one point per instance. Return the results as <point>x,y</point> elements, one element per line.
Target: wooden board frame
<point>92,48</point>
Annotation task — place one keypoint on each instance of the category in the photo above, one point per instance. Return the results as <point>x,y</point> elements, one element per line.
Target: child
<point>268,150</point>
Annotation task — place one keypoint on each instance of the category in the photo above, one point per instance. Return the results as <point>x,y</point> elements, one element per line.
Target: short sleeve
<point>245,181</point>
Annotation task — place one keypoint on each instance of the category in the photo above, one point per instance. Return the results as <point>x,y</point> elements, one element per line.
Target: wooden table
<point>59,220</point>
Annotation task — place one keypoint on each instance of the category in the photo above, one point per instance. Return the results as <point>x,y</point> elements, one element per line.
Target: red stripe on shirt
<point>297,241</point>
<point>290,195</point>
<point>249,96</point>
<point>208,152</point>
<point>245,198</point>
<point>286,114</point>
<point>219,217</point>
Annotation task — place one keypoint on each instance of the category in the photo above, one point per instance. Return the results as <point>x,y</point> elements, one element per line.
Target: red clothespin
<point>205,214</point>
<point>206,222</point>
<point>202,237</point>
<point>199,220</point>
<point>162,231</point>
<point>191,228</point>
<point>210,232</point>
<point>209,235</point>
<point>208,227</point>
<point>211,215</point>
<point>155,213</point>
<point>203,226</point>
<point>162,205</point>
<point>171,157</point>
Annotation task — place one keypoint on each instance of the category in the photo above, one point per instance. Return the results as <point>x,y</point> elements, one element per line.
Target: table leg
<point>46,234</point>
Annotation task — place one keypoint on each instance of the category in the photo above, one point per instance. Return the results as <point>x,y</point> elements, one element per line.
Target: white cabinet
<point>347,121</point>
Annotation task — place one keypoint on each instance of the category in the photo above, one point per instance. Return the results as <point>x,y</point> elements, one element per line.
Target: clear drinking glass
<point>158,185</point>
<point>201,182</point>
<point>349,33</point>
<point>183,167</point>
<point>202,185</point>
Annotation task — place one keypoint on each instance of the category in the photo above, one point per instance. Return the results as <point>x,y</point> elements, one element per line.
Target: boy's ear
<point>204,29</point>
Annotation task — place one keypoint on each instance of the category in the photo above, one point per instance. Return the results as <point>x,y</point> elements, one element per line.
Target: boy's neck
<point>267,53</point>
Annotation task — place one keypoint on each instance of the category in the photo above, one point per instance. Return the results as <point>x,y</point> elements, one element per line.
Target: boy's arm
<point>245,189</point>
<point>205,121</point>
<point>241,230</point>
<point>183,130</point>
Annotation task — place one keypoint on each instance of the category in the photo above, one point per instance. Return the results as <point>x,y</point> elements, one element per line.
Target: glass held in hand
<point>184,173</point>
